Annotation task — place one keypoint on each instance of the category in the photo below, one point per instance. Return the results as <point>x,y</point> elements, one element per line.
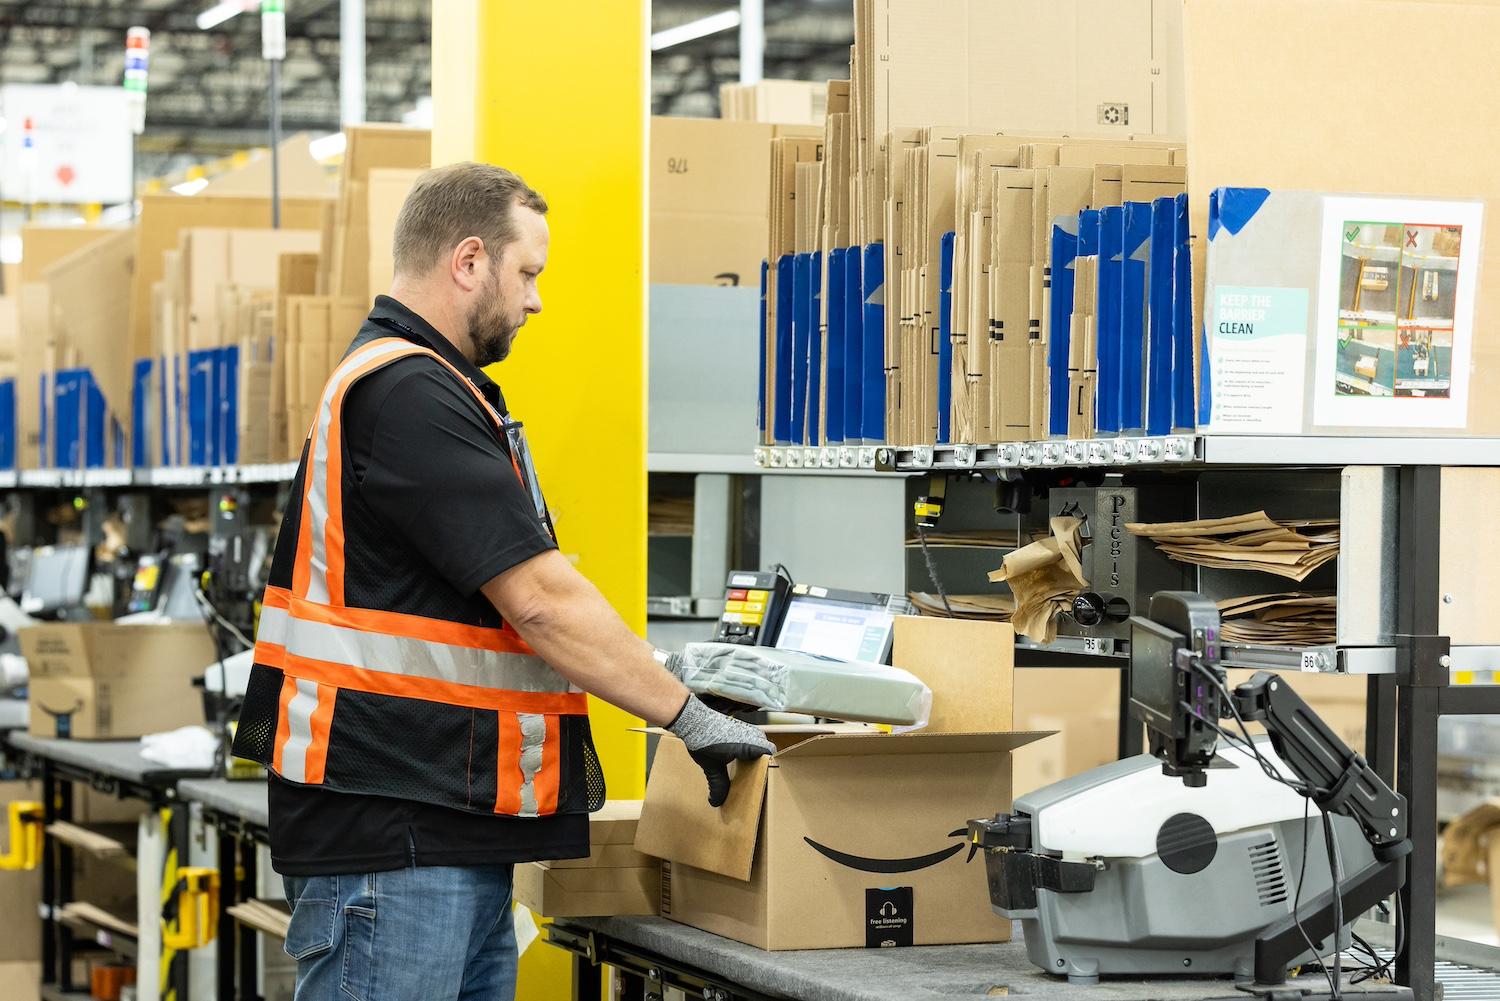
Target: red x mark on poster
<point>1411,238</point>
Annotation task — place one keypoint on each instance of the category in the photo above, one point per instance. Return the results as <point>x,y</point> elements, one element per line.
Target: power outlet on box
<point>1114,113</point>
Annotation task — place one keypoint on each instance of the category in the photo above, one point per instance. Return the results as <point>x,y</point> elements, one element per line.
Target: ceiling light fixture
<point>711,25</point>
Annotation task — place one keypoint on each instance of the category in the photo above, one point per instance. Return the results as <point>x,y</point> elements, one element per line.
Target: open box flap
<point>677,823</point>
<point>863,744</point>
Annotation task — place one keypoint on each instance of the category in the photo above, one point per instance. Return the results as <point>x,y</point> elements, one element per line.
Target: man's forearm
<point>572,627</point>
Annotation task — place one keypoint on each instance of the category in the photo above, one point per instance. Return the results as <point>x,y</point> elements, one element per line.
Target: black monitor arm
<point>1340,781</point>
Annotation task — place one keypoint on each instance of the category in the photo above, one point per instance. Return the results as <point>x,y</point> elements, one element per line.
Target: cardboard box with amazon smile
<point>848,836</point>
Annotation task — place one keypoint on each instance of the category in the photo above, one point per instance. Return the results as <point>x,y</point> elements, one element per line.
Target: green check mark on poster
<point>1351,235</point>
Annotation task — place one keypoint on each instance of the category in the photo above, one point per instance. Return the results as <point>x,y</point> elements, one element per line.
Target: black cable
<point>932,569</point>
<point>1335,865</point>
<point>1297,901</point>
<point>781,570</point>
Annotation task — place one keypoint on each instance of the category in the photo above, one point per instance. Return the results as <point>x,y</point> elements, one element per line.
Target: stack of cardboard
<point>368,147</point>
<point>615,879</point>
<point>784,102</point>
<point>318,331</point>
<point>73,379</point>
<point>215,346</point>
<point>938,298</point>
<point>1292,549</point>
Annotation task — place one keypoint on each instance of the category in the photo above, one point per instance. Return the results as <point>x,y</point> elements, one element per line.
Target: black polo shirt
<point>436,478</point>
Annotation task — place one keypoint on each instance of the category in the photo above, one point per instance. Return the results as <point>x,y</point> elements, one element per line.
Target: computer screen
<point>57,579</point>
<point>1153,674</point>
<point>830,627</point>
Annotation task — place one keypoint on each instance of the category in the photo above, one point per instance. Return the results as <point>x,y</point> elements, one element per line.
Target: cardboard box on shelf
<point>369,147</point>
<point>709,181</point>
<point>105,680</point>
<point>386,192</point>
<point>42,245</point>
<point>802,854</point>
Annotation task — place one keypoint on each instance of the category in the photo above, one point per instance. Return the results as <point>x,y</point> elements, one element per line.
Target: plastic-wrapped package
<point>792,681</point>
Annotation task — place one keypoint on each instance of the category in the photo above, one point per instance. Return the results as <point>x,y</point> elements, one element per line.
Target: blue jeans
<point>429,933</point>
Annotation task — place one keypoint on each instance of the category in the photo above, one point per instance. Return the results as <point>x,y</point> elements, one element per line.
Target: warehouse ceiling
<point>805,40</point>
<point>208,89</point>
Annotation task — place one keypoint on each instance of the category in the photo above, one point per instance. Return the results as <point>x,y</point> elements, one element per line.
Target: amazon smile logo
<point>888,865</point>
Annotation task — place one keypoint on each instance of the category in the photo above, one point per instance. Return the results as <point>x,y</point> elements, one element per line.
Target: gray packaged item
<point>792,681</point>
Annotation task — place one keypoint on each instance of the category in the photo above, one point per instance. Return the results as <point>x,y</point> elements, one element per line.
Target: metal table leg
<point>224,945</point>
<point>588,979</point>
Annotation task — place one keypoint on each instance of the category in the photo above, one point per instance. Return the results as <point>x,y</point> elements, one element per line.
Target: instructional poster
<point>1396,310</point>
<point>1259,353</point>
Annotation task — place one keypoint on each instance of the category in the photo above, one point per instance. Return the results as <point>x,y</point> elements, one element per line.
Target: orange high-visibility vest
<point>337,692</point>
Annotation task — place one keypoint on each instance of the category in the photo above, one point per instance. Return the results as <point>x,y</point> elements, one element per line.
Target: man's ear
<point>467,263</point>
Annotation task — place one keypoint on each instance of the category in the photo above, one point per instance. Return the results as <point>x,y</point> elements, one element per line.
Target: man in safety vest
<point>424,649</point>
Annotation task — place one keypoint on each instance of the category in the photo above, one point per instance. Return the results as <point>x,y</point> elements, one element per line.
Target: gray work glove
<point>714,740</point>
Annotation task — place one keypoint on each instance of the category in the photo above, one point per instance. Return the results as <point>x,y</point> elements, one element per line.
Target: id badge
<point>515,439</point>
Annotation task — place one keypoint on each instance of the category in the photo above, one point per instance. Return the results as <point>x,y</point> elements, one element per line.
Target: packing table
<point>113,767</point>
<point>238,811</point>
<point>654,953</point>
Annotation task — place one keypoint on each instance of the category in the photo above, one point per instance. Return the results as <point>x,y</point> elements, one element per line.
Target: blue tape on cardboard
<point>7,424</point>
<point>1134,264</point>
<point>872,423</point>
<point>79,436</point>
<point>834,393</point>
<point>202,407</point>
<point>1107,329</point>
<point>1183,417</point>
<point>945,339</point>
<point>228,363</point>
<point>760,399</point>
<point>44,416</point>
<point>815,333</point>
<point>1232,208</point>
<point>782,422</point>
<point>1059,313</point>
<point>801,337</point>
<point>140,412</point>
<point>1159,326</point>
<point>854,346</point>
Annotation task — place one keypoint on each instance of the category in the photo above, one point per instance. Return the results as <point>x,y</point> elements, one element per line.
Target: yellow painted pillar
<point>557,92</point>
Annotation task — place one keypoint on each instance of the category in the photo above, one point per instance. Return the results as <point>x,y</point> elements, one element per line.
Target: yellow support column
<point>557,92</point>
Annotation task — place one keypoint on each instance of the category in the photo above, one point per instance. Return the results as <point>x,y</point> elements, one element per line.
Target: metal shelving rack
<point>154,476</point>
<point>1410,681</point>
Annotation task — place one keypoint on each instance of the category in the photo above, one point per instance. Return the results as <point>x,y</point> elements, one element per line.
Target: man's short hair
<point>447,205</point>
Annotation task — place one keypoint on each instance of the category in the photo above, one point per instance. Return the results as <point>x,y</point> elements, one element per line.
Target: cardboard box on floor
<point>802,854</point>
<point>104,680</point>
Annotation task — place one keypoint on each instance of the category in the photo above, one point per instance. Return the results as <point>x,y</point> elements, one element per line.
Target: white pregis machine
<point>1213,854</point>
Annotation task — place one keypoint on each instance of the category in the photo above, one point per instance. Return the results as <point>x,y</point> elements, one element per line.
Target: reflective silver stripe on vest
<point>533,735</point>
<point>317,467</point>
<point>416,658</point>
<point>299,728</point>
